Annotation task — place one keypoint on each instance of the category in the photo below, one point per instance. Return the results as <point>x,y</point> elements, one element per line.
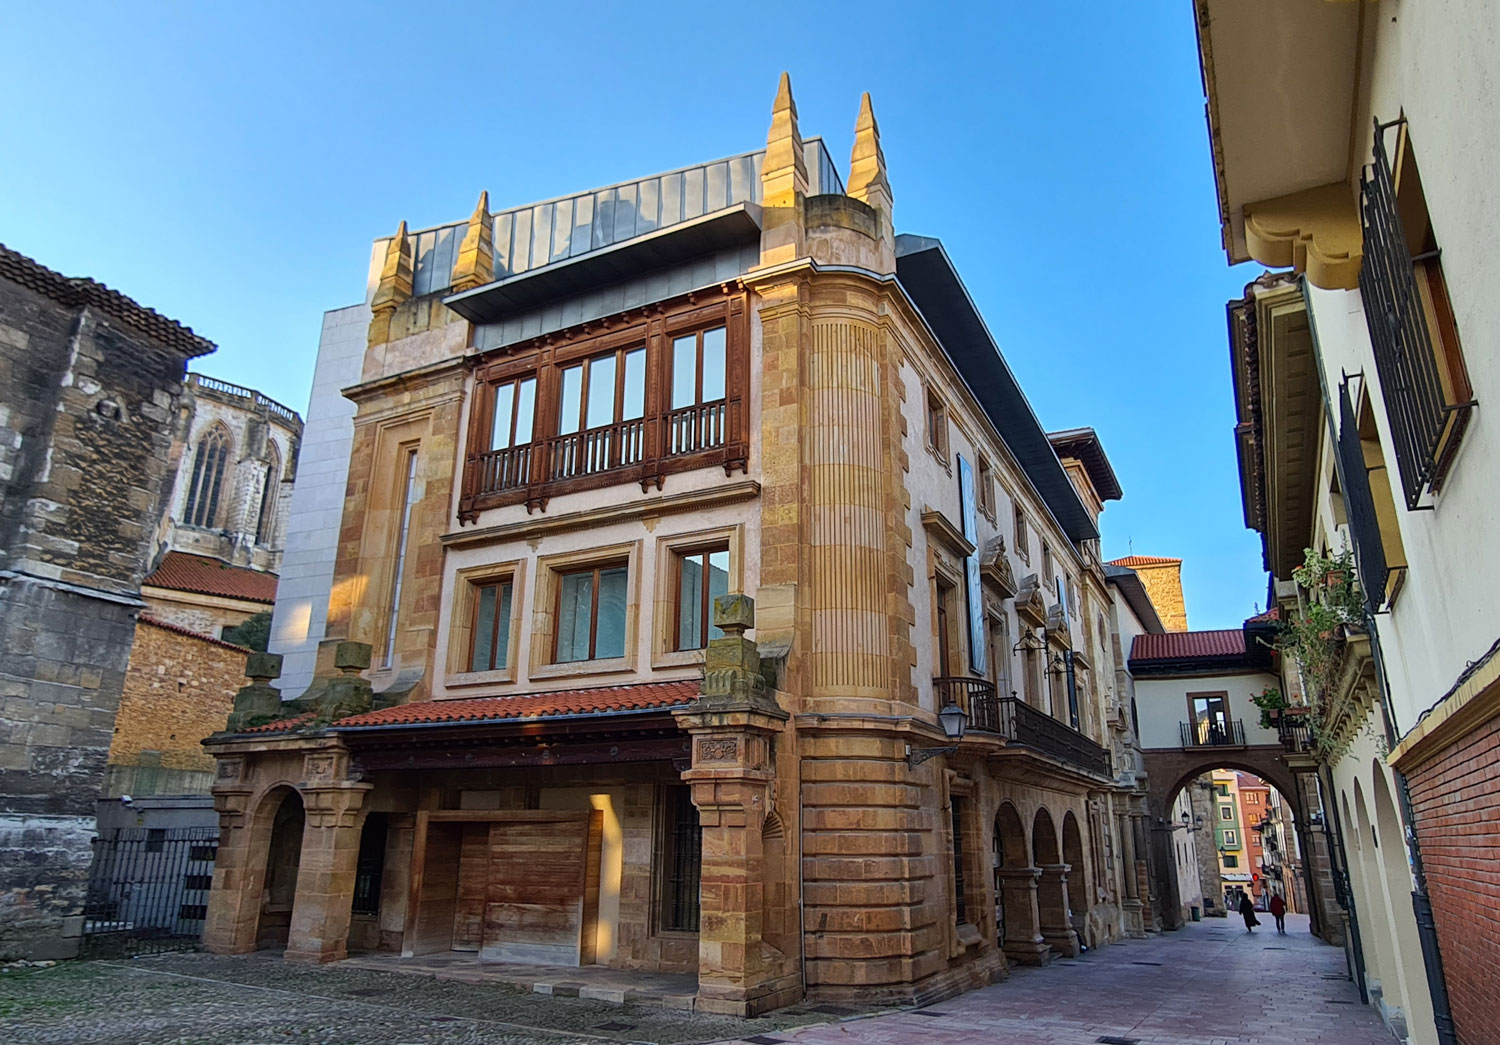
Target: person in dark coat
<point>1278,911</point>
<point>1247,910</point>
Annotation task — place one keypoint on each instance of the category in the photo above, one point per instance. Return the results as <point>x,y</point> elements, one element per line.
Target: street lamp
<point>955,722</point>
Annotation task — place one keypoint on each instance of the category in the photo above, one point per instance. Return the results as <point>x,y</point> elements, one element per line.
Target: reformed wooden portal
<point>514,886</point>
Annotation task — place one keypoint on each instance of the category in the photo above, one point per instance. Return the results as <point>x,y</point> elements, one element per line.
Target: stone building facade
<point>91,387</point>
<point>676,515</point>
<point>179,688</point>
<point>236,462</point>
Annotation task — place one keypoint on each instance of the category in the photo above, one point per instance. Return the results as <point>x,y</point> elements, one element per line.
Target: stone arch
<point>270,495</point>
<point>1044,845</point>
<point>282,820</point>
<point>1391,836</point>
<point>1379,944</point>
<point>1016,916</point>
<point>1078,869</point>
<point>1171,771</point>
<point>1010,844</point>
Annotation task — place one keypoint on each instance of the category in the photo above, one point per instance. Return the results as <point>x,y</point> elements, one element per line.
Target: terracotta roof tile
<point>180,571</point>
<point>1142,560</point>
<point>190,633</point>
<point>594,700</point>
<point>1274,613</point>
<point>71,291</point>
<point>285,725</point>
<point>1186,645</point>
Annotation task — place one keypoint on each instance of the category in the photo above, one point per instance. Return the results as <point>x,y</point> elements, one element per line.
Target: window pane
<point>609,636</point>
<point>525,410</point>
<point>635,384</point>
<point>505,396</point>
<point>574,603</point>
<point>684,371</point>
<point>601,392</point>
<point>572,397</point>
<point>713,364</point>
<point>690,602</point>
<point>484,629</point>
<point>502,635</point>
<point>718,584</point>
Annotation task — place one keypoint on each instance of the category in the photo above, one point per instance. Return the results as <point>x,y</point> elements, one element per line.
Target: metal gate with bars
<point>148,890</point>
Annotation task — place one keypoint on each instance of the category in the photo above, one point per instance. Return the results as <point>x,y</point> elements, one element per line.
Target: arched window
<point>208,478</point>
<point>270,494</point>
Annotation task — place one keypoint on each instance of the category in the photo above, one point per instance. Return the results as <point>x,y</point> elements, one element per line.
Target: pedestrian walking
<point>1278,911</point>
<point>1247,910</point>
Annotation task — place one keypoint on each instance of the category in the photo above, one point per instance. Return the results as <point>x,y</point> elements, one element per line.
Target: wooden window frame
<point>595,568</point>
<point>495,629</point>
<point>984,483</point>
<point>654,328</point>
<point>935,426</point>
<point>463,605</point>
<point>678,558</point>
<point>1022,532</point>
<point>664,652</point>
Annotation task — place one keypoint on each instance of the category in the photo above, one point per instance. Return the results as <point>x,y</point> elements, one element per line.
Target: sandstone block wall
<point>178,689</point>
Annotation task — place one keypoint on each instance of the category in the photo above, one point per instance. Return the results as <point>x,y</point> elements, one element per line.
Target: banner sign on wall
<point>969,510</point>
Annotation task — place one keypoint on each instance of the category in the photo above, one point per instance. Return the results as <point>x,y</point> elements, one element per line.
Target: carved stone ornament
<point>230,768</point>
<point>318,767</point>
<point>720,749</point>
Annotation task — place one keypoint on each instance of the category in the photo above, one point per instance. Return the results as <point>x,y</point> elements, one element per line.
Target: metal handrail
<point>1213,734</point>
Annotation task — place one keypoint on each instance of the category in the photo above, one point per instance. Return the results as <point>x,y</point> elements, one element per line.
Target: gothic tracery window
<point>209,462</point>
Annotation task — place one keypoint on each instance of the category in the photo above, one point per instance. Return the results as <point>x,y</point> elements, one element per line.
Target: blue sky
<point>229,165</point>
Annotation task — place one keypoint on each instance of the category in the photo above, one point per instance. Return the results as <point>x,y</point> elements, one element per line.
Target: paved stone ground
<point>1208,984</point>
<point>202,999</point>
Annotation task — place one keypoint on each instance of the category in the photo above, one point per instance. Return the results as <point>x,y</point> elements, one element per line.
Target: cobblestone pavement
<point>1208,984</point>
<point>204,999</point>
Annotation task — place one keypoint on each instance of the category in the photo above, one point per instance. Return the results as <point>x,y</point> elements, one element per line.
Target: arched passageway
<point>1052,886</point>
<point>1016,890</point>
<point>283,859</point>
<point>1079,892</point>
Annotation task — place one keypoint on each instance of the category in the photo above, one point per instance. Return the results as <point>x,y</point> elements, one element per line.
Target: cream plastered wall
<point>1424,57</point>
<point>1381,880</point>
<point>646,544</point>
<point>1162,706</point>
<point>1445,615</point>
<point>1185,852</point>
<point>934,485</point>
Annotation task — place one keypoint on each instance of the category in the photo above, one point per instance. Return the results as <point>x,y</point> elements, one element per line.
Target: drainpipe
<point>1421,902</point>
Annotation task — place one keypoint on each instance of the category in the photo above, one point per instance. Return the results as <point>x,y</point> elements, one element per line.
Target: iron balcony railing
<point>1020,723</point>
<point>1295,732</point>
<point>1214,734</point>
<point>1420,415</point>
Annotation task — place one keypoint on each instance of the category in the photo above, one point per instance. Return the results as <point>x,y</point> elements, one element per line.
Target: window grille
<point>1423,423</point>
<point>1359,503</point>
<point>960,908</point>
<point>682,860</point>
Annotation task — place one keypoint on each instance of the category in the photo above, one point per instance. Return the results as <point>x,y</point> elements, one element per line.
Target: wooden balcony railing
<point>1213,734</point>
<point>594,451</point>
<point>1020,723</point>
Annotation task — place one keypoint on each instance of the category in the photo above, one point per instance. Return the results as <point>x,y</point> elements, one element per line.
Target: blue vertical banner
<point>969,510</point>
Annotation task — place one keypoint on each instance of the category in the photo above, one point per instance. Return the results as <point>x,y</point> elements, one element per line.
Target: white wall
<point>1162,706</point>
<point>312,526</point>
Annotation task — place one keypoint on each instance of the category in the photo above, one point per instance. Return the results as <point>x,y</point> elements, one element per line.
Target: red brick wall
<point>1456,805</point>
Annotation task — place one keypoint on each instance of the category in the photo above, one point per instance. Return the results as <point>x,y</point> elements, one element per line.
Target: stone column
<point>1023,938</point>
<point>330,854</point>
<point>1054,910</point>
<point>1131,906</point>
<point>239,865</point>
<point>733,785</point>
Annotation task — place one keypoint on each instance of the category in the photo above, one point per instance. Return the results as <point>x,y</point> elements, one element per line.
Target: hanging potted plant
<point>1271,704</point>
